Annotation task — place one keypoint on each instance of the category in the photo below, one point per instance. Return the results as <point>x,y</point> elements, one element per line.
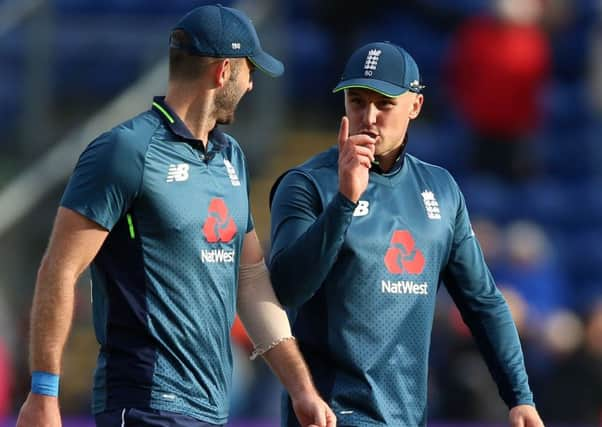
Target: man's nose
<point>369,116</point>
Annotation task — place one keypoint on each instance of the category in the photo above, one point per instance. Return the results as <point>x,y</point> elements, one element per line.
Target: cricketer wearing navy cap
<point>223,32</point>
<point>159,208</point>
<point>382,67</point>
<point>362,236</point>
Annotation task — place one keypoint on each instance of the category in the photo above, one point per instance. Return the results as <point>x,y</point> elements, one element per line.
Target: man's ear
<point>416,106</point>
<point>221,72</point>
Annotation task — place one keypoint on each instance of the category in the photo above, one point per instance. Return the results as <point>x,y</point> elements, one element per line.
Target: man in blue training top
<point>362,235</point>
<point>159,209</point>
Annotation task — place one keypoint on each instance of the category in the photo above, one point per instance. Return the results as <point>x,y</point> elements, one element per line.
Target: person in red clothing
<point>5,381</point>
<point>497,67</point>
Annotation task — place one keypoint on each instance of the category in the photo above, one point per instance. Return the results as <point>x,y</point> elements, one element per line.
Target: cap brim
<point>384,88</point>
<point>267,63</point>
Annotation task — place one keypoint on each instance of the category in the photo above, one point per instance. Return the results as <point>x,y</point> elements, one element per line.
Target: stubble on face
<point>227,99</point>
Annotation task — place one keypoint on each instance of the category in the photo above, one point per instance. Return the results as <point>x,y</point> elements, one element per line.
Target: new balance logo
<point>177,172</point>
<point>431,205</point>
<point>168,396</point>
<point>362,208</point>
<point>371,61</point>
<point>236,46</point>
<point>232,173</point>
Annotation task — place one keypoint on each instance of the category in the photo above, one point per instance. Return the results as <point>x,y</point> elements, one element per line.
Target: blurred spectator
<point>569,24</point>
<point>537,357</point>
<point>497,67</point>
<point>563,334</point>
<point>531,270</point>
<point>521,259</point>
<point>6,353</point>
<point>491,240</point>
<point>574,389</point>
<point>5,381</point>
<point>556,339</point>
<point>465,388</point>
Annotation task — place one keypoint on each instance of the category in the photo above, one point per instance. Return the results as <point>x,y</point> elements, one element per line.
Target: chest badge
<point>232,173</point>
<point>431,205</point>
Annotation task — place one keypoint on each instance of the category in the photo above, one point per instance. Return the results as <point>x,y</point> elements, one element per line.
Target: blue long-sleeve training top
<point>360,281</point>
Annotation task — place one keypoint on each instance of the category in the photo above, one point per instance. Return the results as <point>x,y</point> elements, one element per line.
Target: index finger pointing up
<point>343,131</point>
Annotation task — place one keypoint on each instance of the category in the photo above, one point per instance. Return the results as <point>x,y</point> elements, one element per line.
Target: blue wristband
<point>44,383</point>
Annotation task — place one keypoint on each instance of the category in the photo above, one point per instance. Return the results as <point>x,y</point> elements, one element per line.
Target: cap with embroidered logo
<point>382,67</point>
<point>224,32</point>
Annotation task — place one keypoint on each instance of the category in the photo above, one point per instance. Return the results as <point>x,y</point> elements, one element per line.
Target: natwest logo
<point>217,255</point>
<point>403,256</point>
<point>404,287</point>
<point>219,225</point>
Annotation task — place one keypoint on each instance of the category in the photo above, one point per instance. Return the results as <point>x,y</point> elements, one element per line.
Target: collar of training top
<point>217,139</point>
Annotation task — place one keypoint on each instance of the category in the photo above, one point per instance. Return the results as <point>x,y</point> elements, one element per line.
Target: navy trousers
<point>132,417</point>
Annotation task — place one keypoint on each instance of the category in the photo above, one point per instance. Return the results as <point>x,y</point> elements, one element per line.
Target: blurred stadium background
<point>513,110</point>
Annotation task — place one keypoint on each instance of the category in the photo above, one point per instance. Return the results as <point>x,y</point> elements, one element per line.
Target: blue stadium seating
<point>11,76</point>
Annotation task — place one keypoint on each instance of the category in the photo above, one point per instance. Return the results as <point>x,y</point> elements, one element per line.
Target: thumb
<point>343,132</point>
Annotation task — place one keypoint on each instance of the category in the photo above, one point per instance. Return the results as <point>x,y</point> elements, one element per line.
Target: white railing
<point>13,13</point>
<point>26,189</point>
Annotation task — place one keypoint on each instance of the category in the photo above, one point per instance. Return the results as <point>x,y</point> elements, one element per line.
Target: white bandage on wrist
<point>262,315</point>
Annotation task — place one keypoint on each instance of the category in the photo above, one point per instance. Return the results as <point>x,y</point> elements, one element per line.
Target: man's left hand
<point>525,416</point>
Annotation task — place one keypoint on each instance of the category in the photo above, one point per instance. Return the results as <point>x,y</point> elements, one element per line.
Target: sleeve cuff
<point>344,203</point>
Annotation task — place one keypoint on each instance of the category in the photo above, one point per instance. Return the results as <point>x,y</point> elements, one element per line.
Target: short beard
<point>227,99</point>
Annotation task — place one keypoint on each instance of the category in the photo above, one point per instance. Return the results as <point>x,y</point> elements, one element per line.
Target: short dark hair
<point>183,65</point>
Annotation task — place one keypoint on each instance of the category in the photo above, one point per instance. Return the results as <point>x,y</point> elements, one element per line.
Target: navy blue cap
<point>382,67</point>
<point>223,32</point>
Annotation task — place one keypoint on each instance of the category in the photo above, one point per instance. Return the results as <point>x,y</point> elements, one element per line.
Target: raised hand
<point>356,154</point>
